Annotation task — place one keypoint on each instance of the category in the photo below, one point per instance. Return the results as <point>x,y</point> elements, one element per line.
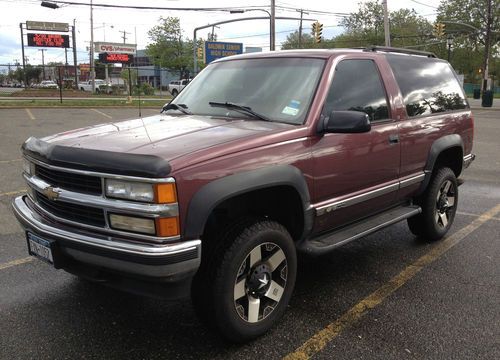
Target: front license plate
<point>40,248</point>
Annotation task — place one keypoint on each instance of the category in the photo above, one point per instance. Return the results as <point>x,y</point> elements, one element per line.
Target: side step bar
<point>327,242</point>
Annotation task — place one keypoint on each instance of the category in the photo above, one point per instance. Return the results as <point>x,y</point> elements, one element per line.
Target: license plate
<point>40,248</point>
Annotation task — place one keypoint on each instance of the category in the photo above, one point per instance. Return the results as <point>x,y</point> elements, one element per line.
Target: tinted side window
<point>357,86</point>
<point>428,85</point>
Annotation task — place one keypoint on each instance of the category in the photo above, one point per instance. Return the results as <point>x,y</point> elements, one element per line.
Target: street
<point>386,296</point>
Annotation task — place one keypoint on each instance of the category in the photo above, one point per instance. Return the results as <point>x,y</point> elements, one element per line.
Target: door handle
<point>393,139</point>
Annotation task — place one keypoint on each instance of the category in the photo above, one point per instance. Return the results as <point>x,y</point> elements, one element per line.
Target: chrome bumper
<point>164,261</point>
<point>468,159</point>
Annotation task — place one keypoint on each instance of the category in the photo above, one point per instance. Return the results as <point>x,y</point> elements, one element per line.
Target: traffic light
<point>439,30</point>
<point>319,32</point>
<point>199,52</point>
<point>317,29</point>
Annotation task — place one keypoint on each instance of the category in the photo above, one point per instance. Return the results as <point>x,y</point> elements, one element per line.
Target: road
<point>386,296</point>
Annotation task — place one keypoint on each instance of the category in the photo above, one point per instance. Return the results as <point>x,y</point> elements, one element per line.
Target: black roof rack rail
<point>399,50</point>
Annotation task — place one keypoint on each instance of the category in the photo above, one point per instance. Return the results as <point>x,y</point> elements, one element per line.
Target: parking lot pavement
<point>386,296</point>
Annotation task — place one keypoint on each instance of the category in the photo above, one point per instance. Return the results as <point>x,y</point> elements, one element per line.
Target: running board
<point>325,243</point>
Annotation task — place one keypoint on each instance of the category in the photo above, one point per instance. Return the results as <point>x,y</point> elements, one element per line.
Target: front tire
<point>439,205</point>
<point>246,287</point>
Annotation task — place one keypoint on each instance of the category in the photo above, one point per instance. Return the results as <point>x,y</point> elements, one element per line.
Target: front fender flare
<point>206,199</point>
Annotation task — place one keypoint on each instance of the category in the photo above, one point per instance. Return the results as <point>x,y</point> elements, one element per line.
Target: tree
<point>167,48</point>
<point>292,42</point>
<point>32,74</point>
<point>472,30</point>
<point>366,27</point>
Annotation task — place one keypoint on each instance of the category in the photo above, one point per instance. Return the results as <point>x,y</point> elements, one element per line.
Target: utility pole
<point>43,62</point>
<point>73,33</point>
<point>273,25</point>
<point>92,69</point>
<point>124,36</point>
<point>24,58</point>
<point>300,26</point>
<point>487,44</point>
<point>386,24</point>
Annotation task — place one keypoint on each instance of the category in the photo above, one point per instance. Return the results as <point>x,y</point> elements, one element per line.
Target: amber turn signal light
<point>166,227</point>
<point>165,193</point>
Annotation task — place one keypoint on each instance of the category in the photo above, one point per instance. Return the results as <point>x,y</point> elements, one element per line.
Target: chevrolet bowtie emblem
<point>51,193</point>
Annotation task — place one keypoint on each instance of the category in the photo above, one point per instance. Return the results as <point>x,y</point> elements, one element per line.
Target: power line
<point>420,3</point>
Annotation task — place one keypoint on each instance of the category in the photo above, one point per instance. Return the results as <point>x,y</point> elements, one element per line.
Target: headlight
<point>130,190</point>
<point>162,193</point>
<point>132,223</point>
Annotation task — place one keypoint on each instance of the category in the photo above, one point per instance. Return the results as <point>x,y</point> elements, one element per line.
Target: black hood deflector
<point>111,162</point>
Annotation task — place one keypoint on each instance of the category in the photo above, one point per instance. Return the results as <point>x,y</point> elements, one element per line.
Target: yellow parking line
<point>475,215</point>
<point>16,262</point>
<point>9,161</point>
<point>101,113</point>
<point>30,114</point>
<point>13,192</point>
<point>319,340</point>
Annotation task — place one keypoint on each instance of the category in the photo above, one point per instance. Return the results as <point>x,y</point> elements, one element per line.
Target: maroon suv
<point>260,157</point>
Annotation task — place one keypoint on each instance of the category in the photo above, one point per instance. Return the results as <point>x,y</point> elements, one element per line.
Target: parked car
<point>101,86</point>
<point>261,157</point>
<point>48,84</point>
<point>176,86</point>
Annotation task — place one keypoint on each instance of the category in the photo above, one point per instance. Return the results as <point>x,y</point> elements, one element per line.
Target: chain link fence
<point>67,82</point>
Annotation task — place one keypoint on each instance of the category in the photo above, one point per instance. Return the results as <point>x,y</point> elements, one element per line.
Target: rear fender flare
<point>440,145</point>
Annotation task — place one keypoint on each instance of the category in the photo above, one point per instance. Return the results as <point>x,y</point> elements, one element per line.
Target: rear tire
<point>439,205</point>
<point>174,93</point>
<point>243,288</point>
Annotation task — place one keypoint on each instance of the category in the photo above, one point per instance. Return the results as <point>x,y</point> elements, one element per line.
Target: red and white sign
<point>110,48</point>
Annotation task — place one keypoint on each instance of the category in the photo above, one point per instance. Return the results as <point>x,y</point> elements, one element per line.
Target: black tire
<point>246,280</point>
<point>174,93</point>
<point>439,205</point>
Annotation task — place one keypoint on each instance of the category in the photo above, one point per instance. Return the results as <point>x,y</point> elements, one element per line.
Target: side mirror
<point>347,122</point>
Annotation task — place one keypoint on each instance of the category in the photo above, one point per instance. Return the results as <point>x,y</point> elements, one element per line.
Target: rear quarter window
<point>428,85</point>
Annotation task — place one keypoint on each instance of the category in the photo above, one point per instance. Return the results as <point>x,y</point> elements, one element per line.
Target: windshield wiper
<point>181,107</point>
<point>240,108</point>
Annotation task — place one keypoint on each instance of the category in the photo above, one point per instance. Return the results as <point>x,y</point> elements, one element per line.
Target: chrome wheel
<point>445,203</point>
<point>260,282</point>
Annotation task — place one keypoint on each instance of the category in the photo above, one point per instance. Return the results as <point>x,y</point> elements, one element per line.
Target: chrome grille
<point>70,181</point>
<point>77,213</point>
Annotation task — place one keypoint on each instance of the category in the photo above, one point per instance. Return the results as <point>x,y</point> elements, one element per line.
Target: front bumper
<point>88,254</point>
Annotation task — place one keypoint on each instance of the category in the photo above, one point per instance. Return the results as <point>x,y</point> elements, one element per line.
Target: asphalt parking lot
<point>387,296</point>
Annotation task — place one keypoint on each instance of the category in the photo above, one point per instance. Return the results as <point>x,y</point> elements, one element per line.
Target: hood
<point>166,136</point>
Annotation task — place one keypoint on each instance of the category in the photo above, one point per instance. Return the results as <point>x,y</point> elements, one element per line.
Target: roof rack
<point>399,50</point>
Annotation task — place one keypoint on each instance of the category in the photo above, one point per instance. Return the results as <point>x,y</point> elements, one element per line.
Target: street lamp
<point>271,32</point>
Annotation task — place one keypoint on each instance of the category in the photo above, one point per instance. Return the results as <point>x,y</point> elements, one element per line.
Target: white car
<point>175,86</point>
<point>48,84</point>
<point>100,86</point>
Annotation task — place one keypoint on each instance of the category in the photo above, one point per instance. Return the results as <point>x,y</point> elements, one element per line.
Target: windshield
<point>279,89</point>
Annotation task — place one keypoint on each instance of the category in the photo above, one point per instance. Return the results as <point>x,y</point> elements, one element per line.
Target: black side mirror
<point>347,122</point>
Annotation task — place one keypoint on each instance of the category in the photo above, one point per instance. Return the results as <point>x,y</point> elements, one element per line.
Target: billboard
<point>215,50</point>
<point>102,47</point>
<point>47,26</point>
<point>48,40</point>
<point>114,58</point>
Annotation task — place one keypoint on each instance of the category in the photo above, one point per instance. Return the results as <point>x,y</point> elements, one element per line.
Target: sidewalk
<point>475,104</point>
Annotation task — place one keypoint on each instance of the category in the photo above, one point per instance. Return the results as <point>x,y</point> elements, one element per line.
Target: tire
<point>439,205</point>
<point>245,282</point>
<point>174,93</point>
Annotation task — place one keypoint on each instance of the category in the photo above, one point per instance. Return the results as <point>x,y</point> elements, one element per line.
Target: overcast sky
<point>111,23</point>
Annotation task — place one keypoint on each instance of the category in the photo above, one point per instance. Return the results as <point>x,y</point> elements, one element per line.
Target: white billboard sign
<point>110,48</point>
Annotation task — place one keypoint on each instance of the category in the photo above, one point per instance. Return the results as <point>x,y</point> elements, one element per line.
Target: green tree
<point>366,27</point>
<point>292,41</point>
<point>168,48</point>
<point>32,74</point>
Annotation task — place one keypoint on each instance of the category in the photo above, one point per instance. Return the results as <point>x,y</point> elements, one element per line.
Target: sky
<point>111,23</point>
